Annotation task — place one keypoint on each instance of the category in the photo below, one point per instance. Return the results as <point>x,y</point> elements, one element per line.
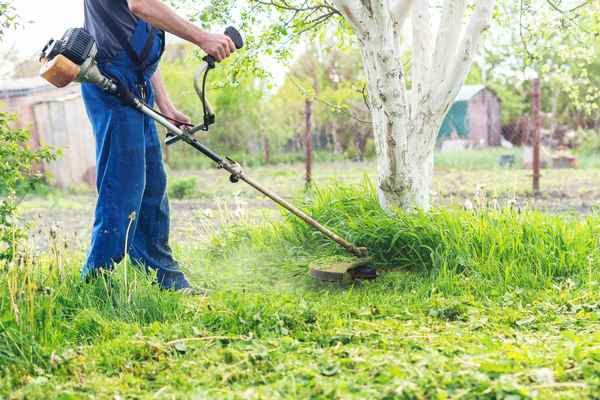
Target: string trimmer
<point>73,59</point>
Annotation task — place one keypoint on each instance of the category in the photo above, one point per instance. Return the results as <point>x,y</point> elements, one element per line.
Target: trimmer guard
<point>344,271</point>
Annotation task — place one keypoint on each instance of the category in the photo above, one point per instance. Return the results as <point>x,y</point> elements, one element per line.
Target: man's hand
<point>217,45</point>
<point>178,116</point>
<point>163,101</point>
<point>163,17</point>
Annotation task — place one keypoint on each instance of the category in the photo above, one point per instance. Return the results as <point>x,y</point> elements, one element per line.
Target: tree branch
<point>335,107</point>
<point>355,13</point>
<point>461,64</point>
<point>400,11</point>
<point>446,43</point>
<point>422,43</point>
<point>560,10</point>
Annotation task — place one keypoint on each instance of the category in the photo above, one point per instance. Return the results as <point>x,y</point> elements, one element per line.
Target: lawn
<point>493,302</point>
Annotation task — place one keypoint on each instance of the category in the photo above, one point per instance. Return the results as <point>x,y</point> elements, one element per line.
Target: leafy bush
<point>590,142</point>
<point>370,150</point>
<point>182,188</point>
<point>17,163</point>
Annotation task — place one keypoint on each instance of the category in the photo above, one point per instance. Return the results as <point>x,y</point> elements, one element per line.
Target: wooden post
<point>267,149</point>
<point>308,141</point>
<point>537,128</point>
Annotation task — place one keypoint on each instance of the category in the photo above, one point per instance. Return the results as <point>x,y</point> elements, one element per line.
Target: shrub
<point>17,163</point>
<point>182,188</point>
<point>590,142</point>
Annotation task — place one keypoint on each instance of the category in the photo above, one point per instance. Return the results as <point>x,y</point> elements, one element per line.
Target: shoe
<point>193,292</point>
<point>172,280</point>
<point>177,282</point>
<point>89,275</point>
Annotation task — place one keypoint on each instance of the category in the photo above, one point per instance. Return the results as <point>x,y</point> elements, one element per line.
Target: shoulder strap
<point>148,46</point>
<point>140,60</point>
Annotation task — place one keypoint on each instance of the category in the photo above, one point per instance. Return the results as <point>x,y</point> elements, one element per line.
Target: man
<point>132,207</point>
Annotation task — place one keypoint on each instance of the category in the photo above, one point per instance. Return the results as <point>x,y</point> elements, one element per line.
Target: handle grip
<point>235,36</point>
<point>237,39</point>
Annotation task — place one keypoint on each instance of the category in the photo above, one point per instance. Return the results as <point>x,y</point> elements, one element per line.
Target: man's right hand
<point>217,45</point>
<point>163,17</point>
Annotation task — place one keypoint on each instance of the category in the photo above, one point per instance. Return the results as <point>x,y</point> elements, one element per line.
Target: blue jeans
<point>132,202</point>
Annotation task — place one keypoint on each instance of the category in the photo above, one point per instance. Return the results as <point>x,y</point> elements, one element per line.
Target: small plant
<point>590,142</point>
<point>17,163</point>
<point>183,188</point>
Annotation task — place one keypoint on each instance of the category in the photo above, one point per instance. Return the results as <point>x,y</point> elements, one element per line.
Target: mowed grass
<point>488,303</point>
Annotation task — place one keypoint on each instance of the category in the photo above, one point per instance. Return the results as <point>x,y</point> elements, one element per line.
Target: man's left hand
<point>179,117</point>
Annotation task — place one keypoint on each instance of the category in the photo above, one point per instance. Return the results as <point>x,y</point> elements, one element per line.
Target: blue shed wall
<point>456,121</point>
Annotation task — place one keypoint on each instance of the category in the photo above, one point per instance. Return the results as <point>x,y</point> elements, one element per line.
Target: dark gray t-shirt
<point>107,41</point>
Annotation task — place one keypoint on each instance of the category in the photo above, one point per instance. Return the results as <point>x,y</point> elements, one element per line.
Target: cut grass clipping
<point>485,305</point>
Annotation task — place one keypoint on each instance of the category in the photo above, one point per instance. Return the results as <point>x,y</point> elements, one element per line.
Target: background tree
<point>557,42</point>
<point>406,111</point>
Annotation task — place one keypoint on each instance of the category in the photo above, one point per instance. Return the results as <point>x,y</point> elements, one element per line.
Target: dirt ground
<point>220,203</point>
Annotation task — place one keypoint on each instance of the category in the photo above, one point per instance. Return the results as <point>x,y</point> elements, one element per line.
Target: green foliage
<point>44,307</point>
<point>556,42</point>
<point>17,162</point>
<point>8,16</point>
<point>589,142</point>
<point>505,246</point>
<point>183,188</point>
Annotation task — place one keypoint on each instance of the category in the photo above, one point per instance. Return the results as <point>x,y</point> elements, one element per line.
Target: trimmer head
<point>344,271</point>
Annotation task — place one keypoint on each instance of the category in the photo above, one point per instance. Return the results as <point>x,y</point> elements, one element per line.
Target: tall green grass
<point>44,304</point>
<point>502,246</point>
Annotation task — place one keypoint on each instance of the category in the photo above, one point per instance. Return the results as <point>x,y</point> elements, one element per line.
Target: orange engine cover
<point>59,72</point>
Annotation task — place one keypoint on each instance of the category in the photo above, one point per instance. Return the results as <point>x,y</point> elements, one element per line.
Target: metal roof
<point>468,92</point>
<point>22,87</point>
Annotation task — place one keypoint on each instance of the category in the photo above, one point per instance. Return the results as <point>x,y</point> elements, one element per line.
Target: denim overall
<point>132,204</point>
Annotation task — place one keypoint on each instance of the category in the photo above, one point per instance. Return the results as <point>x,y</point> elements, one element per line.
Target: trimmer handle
<point>237,39</point>
<point>200,86</point>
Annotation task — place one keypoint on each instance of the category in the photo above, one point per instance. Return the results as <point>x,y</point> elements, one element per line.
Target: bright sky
<point>44,20</point>
<point>50,19</point>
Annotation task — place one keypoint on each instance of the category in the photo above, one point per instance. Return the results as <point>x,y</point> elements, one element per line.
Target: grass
<point>487,303</point>
<point>477,160</point>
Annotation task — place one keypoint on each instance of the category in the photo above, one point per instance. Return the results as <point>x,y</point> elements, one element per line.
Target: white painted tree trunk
<point>406,123</point>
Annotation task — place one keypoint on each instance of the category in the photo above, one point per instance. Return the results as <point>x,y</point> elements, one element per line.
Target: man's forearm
<point>163,101</point>
<point>163,17</point>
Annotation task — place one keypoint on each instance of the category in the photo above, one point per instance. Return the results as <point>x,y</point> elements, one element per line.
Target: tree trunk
<point>267,149</point>
<point>335,139</point>
<point>309,141</point>
<point>406,123</point>
<point>404,162</point>
<point>537,128</point>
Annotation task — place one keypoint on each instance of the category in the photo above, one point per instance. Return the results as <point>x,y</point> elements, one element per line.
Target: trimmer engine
<point>77,45</point>
<point>73,59</point>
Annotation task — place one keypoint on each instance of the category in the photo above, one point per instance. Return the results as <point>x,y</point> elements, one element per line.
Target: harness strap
<point>140,59</point>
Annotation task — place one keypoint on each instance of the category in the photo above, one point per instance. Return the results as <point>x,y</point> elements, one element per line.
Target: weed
<point>182,188</point>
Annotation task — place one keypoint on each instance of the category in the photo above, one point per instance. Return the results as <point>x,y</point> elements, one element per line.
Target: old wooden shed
<point>56,118</point>
<point>474,117</point>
